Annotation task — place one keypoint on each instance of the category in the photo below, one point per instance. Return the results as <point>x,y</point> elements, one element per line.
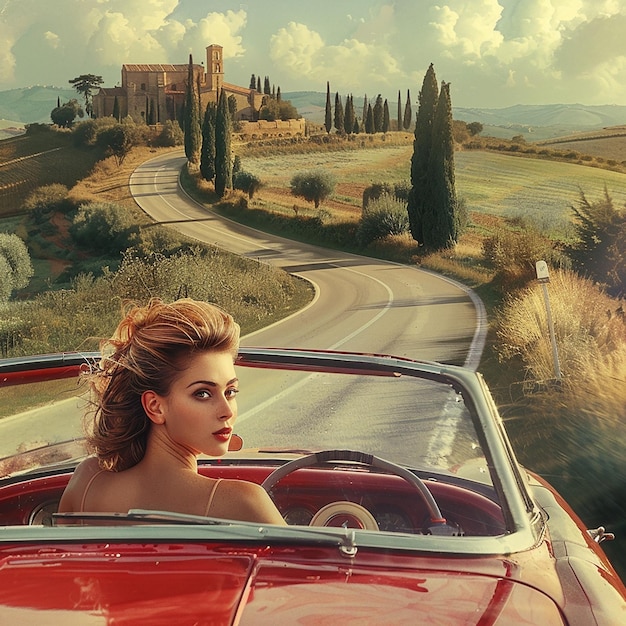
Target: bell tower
<point>214,68</point>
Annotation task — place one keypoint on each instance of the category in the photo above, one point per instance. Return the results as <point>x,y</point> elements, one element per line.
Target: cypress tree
<point>258,84</point>
<point>253,82</point>
<point>151,113</point>
<point>386,120</point>
<point>399,127</point>
<point>418,196</point>
<point>116,109</point>
<point>408,113</point>
<point>369,120</point>
<point>378,114</point>
<point>364,116</point>
<point>207,154</point>
<point>192,129</point>
<point>278,95</point>
<point>339,125</point>
<point>348,116</point>
<point>328,119</point>
<point>440,217</point>
<point>223,165</point>
<point>267,90</point>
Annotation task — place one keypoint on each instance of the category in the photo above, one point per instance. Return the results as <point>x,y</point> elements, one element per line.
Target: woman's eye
<point>203,393</point>
<point>231,393</point>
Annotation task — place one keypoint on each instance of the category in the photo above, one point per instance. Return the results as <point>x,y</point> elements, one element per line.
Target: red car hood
<point>121,585</point>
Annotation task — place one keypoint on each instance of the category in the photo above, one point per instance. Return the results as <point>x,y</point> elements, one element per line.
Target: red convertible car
<point>404,502</point>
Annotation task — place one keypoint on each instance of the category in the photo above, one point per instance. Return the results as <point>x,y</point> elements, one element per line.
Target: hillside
<point>535,122</point>
<point>27,105</point>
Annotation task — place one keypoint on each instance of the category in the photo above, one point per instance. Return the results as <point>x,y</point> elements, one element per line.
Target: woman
<point>166,392</point>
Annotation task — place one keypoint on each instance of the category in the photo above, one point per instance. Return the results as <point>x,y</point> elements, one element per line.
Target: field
<point>27,162</point>
<point>608,143</point>
<point>494,184</point>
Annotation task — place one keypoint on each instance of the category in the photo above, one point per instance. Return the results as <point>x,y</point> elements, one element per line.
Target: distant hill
<point>534,122</point>
<point>31,104</point>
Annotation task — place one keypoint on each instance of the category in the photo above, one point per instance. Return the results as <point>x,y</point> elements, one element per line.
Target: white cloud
<point>301,53</point>
<point>52,39</point>
<point>294,50</point>
<point>494,52</point>
<point>216,28</point>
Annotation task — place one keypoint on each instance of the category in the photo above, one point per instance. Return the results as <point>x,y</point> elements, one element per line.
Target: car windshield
<point>402,417</point>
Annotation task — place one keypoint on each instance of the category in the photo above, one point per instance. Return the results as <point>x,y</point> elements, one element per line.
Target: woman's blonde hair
<point>148,350</point>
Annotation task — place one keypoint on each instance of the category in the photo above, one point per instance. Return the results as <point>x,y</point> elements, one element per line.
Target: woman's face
<point>201,407</point>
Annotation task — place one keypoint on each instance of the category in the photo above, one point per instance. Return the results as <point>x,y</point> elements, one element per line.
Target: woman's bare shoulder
<point>85,470</point>
<point>247,501</point>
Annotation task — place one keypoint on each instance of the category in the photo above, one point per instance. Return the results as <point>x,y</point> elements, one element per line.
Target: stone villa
<point>158,90</point>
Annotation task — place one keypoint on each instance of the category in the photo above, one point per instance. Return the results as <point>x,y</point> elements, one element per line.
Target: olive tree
<point>314,186</point>
<point>247,182</point>
<point>118,141</point>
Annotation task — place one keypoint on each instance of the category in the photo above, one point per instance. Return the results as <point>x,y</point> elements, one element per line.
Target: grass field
<point>491,183</point>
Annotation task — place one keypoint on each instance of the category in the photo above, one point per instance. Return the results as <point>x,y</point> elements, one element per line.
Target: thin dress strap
<point>213,490</point>
<point>82,502</point>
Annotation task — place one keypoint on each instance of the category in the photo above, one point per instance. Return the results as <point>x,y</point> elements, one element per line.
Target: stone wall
<point>279,128</point>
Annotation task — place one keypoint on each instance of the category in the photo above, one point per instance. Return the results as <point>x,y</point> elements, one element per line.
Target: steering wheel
<point>348,508</point>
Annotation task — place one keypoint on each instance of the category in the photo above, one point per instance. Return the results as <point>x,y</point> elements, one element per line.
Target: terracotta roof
<point>157,67</point>
<point>112,91</point>
<point>236,89</point>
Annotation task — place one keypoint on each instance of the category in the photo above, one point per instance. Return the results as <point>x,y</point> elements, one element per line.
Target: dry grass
<point>108,182</point>
<point>591,341</point>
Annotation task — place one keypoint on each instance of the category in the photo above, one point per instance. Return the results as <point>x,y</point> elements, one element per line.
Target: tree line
<point>374,118</point>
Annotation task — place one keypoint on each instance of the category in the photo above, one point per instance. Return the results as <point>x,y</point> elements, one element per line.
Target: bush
<point>100,131</point>
<point>16,270</point>
<point>513,255</point>
<point>104,227</point>
<point>399,190</point>
<point>37,127</point>
<point>47,199</point>
<point>600,247</point>
<point>171,135</point>
<point>383,217</point>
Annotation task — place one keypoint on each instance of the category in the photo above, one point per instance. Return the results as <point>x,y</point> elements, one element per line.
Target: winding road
<point>361,304</point>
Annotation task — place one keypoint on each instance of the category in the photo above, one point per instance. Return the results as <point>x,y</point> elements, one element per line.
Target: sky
<point>494,53</point>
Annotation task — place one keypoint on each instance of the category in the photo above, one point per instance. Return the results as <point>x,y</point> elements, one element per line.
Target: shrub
<point>383,217</point>
<point>88,133</point>
<point>600,247</point>
<point>398,190</point>
<point>37,127</point>
<point>513,255</point>
<point>104,227</point>
<point>375,191</point>
<point>44,200</point>
<point>15,267</point>
<point>171,135</point>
